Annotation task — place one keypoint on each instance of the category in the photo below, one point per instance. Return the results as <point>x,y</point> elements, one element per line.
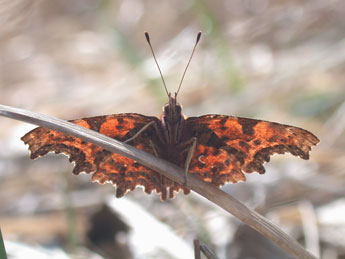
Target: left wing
<point>125,173</point>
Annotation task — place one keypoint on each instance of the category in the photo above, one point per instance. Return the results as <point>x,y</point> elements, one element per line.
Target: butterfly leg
<point>153,148</point>
<point>192,145</point>
<point>140,131</point>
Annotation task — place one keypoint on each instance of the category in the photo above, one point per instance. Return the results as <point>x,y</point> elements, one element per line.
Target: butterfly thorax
<point>172,120</point>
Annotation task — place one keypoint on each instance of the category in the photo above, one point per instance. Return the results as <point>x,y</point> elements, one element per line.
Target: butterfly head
<point>172,111</point>
<point>172,120</point>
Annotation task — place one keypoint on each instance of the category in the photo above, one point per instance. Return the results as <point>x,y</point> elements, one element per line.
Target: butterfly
<point>218,149</point>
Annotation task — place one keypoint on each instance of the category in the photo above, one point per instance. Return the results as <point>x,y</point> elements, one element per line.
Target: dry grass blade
<point>207,252</point>
<point>197,254</point>
<point>217,196</point>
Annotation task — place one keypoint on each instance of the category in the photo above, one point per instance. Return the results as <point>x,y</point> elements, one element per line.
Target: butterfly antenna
<point>191,56</point>
<point>147,36</point>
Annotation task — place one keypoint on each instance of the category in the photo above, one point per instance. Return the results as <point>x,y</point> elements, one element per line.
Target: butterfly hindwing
<point>215,165</point>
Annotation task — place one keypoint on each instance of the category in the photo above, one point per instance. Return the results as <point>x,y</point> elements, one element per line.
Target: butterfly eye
<point>178,109</point>
<point>166,109</point>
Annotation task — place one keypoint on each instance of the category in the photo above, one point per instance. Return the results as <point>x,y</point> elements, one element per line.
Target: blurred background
<point>279,60</point>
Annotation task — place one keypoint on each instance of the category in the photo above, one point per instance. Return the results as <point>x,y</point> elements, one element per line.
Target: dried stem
<point>197,254</point>
<point>212,193</point>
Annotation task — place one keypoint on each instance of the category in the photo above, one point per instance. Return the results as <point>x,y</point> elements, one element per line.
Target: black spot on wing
<point>100,155</point>
<point>244,144</point>
<point>247,125</point>
<point>212,140</point>
<point>240,156</point>
<point>95,123</point>
<point>216,152</point>
<point>201,165</point>
<point>223,120</point>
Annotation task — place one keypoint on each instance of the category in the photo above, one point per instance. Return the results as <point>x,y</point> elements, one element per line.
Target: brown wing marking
<point>250,141</point>
<point>125,173</point>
